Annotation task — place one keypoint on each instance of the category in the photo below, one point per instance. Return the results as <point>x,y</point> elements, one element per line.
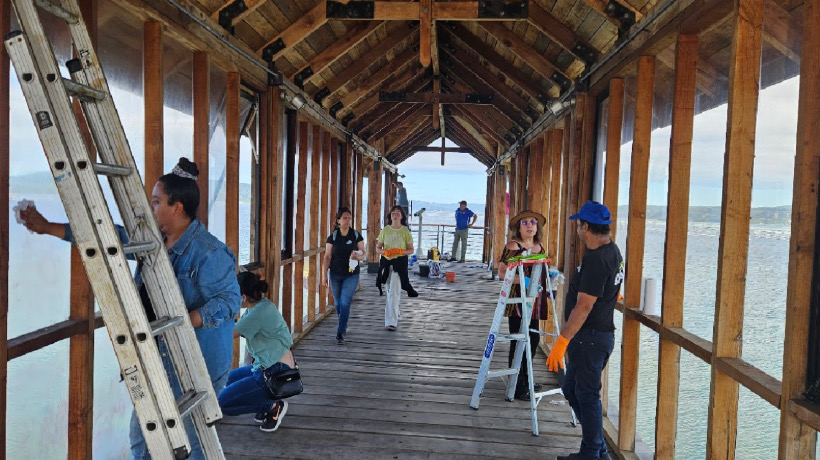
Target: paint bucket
<point>450,276</point>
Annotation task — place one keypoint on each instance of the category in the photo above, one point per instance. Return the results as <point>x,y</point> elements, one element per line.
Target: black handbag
<point>284,384</point>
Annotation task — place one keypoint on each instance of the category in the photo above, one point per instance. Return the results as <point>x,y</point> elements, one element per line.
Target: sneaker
<point>412,293</point>
<point>260,417</point>
<point>451,259</point>
<point>461,261</point>
<point>340,339</point>
<point>536,386</point>
<point>274,418</point>
<point>525,396</point>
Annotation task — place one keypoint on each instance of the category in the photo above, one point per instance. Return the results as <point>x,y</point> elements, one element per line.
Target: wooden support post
<point>677,229</point>
<point>81,346</point>
<point>566,226</point>
<point>613,150</point>
<point>328,215</point>
<point>274,151</point>
<point>359,193</point>
<point>315,260</point>
<point>586,107</point>
<point>512,175</point>
<point>572,245</point>
<point>500,221</point>
<point>535,176</point>
<point>555,196</point>
<point>305,139</point>
<point>425,28</point>
<point>154,103</point>
<point>636,234</point>
<point>486,255</point>
<point>738,166</point>
<point>265,116</point>
<point>232,174</point>
<point>202,133</point>
<point>334,175</point>
<point>374,211</point>
<point>797,440</point>
<point>543,188</point>
<point>5,14</point>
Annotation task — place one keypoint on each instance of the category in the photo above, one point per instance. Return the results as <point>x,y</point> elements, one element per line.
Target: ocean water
<point>38,382</point>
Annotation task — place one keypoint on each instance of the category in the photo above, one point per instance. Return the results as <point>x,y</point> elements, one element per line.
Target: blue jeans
<point>587,354</point>
<point>343,288</point>
<point>139,450</point>
<point>247,392</point>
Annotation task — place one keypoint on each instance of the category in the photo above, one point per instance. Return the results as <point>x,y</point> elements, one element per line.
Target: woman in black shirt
<point>343,246</point>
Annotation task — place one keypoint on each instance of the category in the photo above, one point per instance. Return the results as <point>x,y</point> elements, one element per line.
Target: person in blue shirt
<point>463,224</point>
<point>206,273</point>
<point>401,198</point>
<point>268,342</point>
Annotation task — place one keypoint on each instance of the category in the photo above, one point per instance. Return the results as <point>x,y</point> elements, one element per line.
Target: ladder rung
<point>510,337</point>
<point>83,92</point>
<point>189,401</point>
<point>500,372</point>
<point>111,170</point>
<point>58,11</point>
<point>165,323</point>
<point>139,246</point>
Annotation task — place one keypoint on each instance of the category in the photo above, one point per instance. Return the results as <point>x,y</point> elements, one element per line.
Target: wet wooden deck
<point>405,394</point>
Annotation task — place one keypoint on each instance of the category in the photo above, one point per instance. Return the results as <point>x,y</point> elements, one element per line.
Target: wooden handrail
<point>49,335</point>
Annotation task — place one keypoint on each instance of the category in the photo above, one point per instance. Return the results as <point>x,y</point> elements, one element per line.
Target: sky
<point>464,178</point>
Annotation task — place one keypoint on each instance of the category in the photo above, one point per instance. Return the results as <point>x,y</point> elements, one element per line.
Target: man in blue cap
<point>588,335</point>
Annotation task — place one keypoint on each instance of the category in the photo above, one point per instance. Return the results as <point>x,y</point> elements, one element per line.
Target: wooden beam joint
<point>500,9</point>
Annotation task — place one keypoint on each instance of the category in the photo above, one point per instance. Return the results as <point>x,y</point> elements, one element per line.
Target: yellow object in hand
<point>556,357</point>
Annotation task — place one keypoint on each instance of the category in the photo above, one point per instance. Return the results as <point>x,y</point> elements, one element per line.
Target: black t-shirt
<point>343,246</point>
<point>599,275</point>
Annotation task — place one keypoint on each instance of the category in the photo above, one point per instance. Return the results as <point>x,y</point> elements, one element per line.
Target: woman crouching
<point>268,342</point>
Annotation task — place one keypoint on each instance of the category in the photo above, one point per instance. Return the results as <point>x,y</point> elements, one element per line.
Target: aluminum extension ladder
<point>104,256</point>
<point>522,338</point>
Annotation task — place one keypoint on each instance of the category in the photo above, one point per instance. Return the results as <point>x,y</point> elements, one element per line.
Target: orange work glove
<point>393,252</point>
<point>556,357</point>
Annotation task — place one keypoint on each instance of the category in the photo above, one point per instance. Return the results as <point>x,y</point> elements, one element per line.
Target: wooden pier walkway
<point>405,394</point>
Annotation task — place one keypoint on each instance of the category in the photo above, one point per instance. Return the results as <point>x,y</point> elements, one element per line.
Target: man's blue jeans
<point>343,288</point>
<point>246,392</point>
<point>587,354</point>
<point>139,450</point>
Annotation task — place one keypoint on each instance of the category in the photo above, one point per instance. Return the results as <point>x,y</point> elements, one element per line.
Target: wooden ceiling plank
<point>410,113</point>
<point>366,60</point>
<point>473,42</point>
<point>323,60</point>
<point>407,134</point>
<point>561,34</point>
<point>474,134</point>
<point>295,33</point>
<point>782,30</point>
<point>524,51</point>
<point>462,137</point>
<point>376,80</point>
<point>480,123</point>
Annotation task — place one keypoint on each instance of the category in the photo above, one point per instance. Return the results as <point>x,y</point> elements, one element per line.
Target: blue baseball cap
<point>594,213</point>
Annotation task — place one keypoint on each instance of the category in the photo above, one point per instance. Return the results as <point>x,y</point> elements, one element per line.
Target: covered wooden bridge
<point>308,98</point>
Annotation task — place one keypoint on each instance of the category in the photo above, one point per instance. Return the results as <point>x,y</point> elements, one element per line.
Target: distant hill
<point>778,215</point>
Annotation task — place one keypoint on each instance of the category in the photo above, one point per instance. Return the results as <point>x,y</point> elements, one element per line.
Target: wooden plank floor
<point>405,394</point>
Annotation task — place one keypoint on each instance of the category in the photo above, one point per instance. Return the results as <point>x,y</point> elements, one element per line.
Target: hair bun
<point>188,166</point>
<point>262,286</point>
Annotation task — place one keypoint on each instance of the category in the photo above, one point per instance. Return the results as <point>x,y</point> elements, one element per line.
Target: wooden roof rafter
<point>487,53</point>
<point>561,35</point>
<point>523,50</point>
<point>487,128</point>
<point>409,132</point>
<point>470,135</point>
<point>425,135</point>
<point>235,11</point>
<point>332,85</point>
<point>295,33</point>
<point>354,36</point>
<point>409,111</point>
<point>383,112</point>
<point>500,111</point>
<point>373,82</point>
<point>372,109</point>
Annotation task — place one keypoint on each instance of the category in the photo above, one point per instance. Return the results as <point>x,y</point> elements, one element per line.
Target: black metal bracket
<point>321,95</point>
<point>500,9</point>
<point>543,98</point>
<point>475,98</point>
<point>275,77</point>
<point>585,52</point>
<point>396,96</point>
<point>516,132</point>
<point>351,10</point>
<point>232,10</point>
<point>270,51</point>
<point>509,138</point>
<point>622,14</point>
<point>302,76</point>
<point>366,136</point>
<point>347,119</point>
<point>531,112</point>
<point>562,81</point>
<point>334,109</point>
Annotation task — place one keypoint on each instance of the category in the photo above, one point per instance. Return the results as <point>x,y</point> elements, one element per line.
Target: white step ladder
<point>104,256</point>
<point>522,339</point>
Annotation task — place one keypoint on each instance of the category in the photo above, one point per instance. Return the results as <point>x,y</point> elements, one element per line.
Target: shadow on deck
<point>405,394</point>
